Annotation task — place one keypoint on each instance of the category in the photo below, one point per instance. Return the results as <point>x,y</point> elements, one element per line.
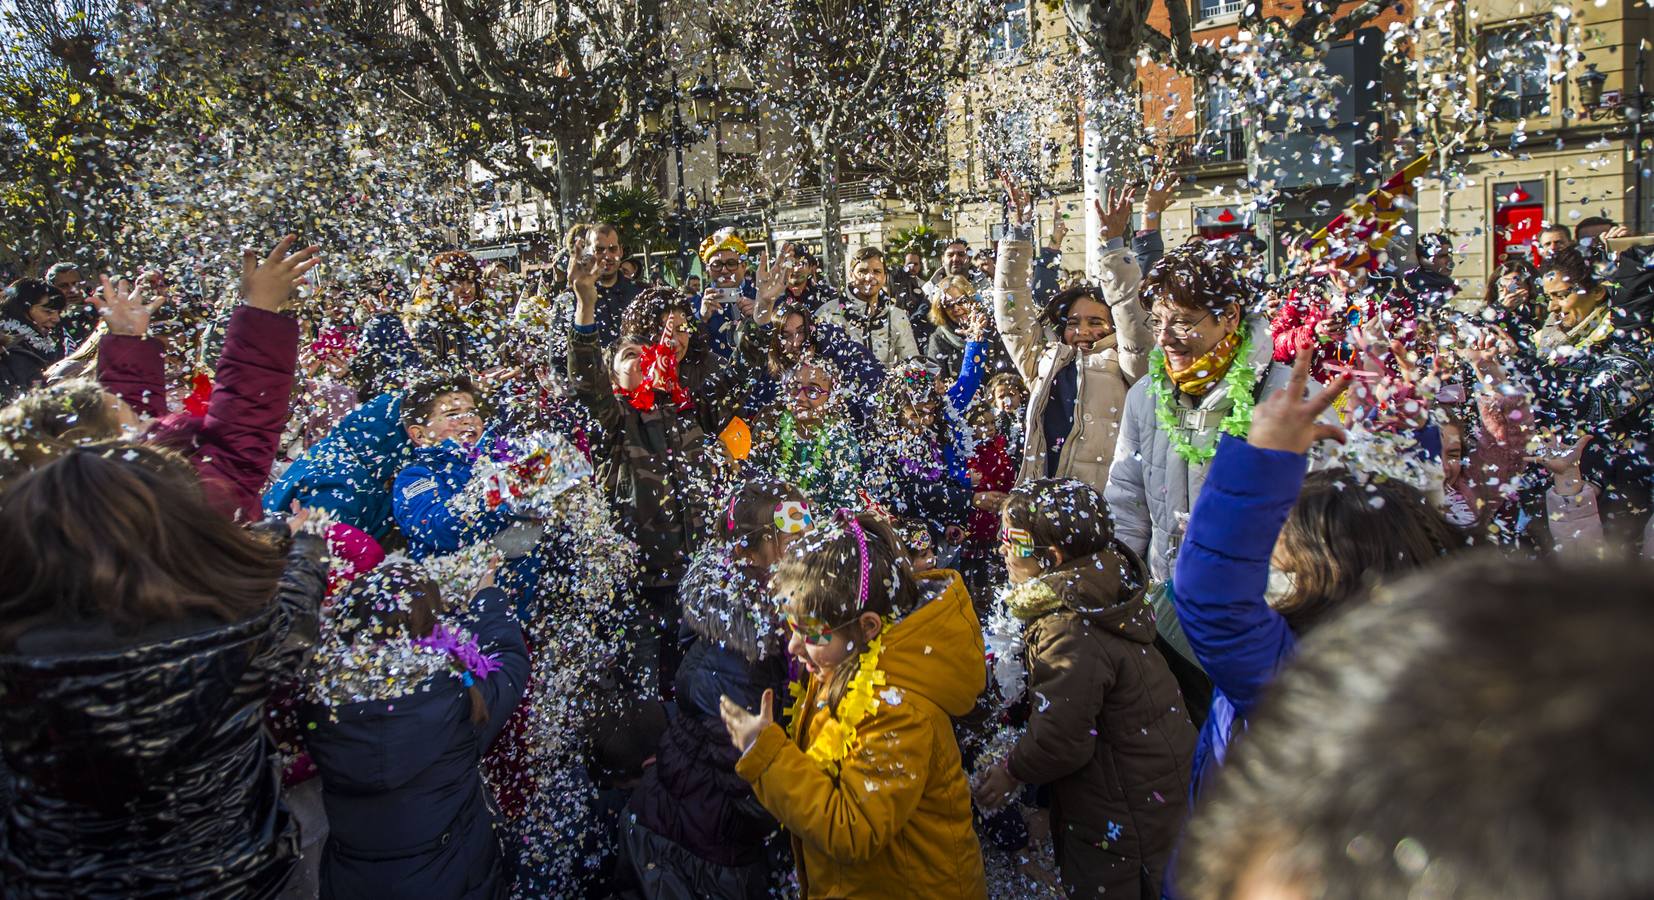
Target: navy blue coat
<point>408,813</point>
<point>691,796</point>
<point>1219,583</point>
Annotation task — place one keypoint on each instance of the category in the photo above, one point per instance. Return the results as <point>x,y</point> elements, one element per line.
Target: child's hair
<point>821,576</point>
<point>751,513</point>
<point>1345,533</point>
<point>1010,378</point>
<point>1505,685</point>
<point>1061,514</point>
<point>394,600</point>
<point>155,551</point>
<point>420,402</point>
<point>642,319</point>
<point>72,411</point>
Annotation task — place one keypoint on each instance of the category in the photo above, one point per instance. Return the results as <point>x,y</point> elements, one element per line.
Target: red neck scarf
<point>659,364</point>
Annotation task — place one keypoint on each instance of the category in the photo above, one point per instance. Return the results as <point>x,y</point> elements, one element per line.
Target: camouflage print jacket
<point>661,469</point>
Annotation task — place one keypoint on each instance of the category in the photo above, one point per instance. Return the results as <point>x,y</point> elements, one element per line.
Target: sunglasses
<point>1017,542</point>
<point>811,631</point>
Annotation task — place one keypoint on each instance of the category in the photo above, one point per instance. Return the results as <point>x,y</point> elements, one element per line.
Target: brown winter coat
<point>1107,729</point>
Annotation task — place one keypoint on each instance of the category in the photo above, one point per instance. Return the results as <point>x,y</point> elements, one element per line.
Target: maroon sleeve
<point>251,401</point>
<point>132,368</point>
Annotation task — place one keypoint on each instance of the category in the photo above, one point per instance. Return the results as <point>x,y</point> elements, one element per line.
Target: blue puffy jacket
<point>349,472</point>
<point>425,507</point>
<point>1219,583</point>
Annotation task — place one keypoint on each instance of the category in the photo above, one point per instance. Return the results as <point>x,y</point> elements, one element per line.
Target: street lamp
<point>1590,84</point>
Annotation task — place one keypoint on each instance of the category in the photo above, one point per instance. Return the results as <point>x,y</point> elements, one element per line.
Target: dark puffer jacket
<point>408,813</point>
<point>691,797</point>
<point>1107,729</point>
<point>141,764</point>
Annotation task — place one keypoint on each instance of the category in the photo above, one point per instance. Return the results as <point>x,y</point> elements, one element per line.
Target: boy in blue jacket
<point>444,424</point>
<point>349,472</point>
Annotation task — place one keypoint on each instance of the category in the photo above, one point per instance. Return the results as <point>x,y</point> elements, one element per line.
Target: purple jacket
<point>233,446</point>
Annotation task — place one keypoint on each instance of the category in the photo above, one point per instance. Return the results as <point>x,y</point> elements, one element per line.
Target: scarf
<point>41,344</point>
<point>1593,328</point>
<point>1200,375</point>
<point>659,364</point>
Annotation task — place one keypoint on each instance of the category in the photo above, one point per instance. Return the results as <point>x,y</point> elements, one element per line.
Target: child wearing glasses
<point>695,825</point>
<point>808,437</point>
<point>867,777</point>
<point>1107,730</point>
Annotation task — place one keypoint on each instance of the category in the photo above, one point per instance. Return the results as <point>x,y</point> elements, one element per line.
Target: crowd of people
<point>1178,581</point>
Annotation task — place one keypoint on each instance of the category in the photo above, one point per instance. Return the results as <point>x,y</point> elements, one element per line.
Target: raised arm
<point>587,368</point>
<point>253,386</point>
<point>130,363</point>
<point>1223,563</point>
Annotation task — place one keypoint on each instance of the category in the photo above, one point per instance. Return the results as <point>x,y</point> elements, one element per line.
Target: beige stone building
<point>1535,153</point>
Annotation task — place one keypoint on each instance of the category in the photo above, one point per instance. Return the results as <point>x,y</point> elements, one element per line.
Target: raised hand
<point>1289,421</point>
<point>1162,182</point>
<point>744,727</point>
<point>1560,458</point>
<point>125,307</point>
<point>269,285</point>
<point>1114,212</point>
<point>582,275</point>
<point>975,323</point>
<point>1059,227</point>
<point>1017,199</point>
<point>772,282</point>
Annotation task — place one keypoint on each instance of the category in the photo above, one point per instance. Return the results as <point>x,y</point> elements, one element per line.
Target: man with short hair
<point>913,263</point>
<point>867,313</point>
<point>1554,238</point>
<point>80,317</point>
<point>1430,284</point>
<point>956,260</point>
<point>614,290</point>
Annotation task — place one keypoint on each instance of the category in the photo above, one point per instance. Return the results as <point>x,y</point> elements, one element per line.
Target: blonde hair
<point>939,300</point>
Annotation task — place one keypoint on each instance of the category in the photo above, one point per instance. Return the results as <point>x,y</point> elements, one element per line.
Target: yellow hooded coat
<point>897,821</point>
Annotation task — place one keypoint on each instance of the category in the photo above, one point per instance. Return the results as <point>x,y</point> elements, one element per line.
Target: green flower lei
<point>1240,378</point>
<point>816,451</point>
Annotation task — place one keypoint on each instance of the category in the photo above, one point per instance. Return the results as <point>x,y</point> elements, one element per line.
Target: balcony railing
<point>1210,10</point>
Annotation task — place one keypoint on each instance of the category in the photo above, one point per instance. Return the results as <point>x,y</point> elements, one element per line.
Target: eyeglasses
<point>1180,329</point>
<point>810,392</point>
<point>724,264</point>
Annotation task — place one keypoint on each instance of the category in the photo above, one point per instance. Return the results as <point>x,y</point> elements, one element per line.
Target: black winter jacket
<point>408,813</point>
<point>691,796</point>
<point>141,764</point>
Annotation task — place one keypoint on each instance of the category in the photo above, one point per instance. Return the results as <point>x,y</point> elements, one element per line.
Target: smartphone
<point>729,295</point>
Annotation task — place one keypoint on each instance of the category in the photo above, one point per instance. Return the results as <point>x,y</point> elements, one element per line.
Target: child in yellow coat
<point>869,782</point>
